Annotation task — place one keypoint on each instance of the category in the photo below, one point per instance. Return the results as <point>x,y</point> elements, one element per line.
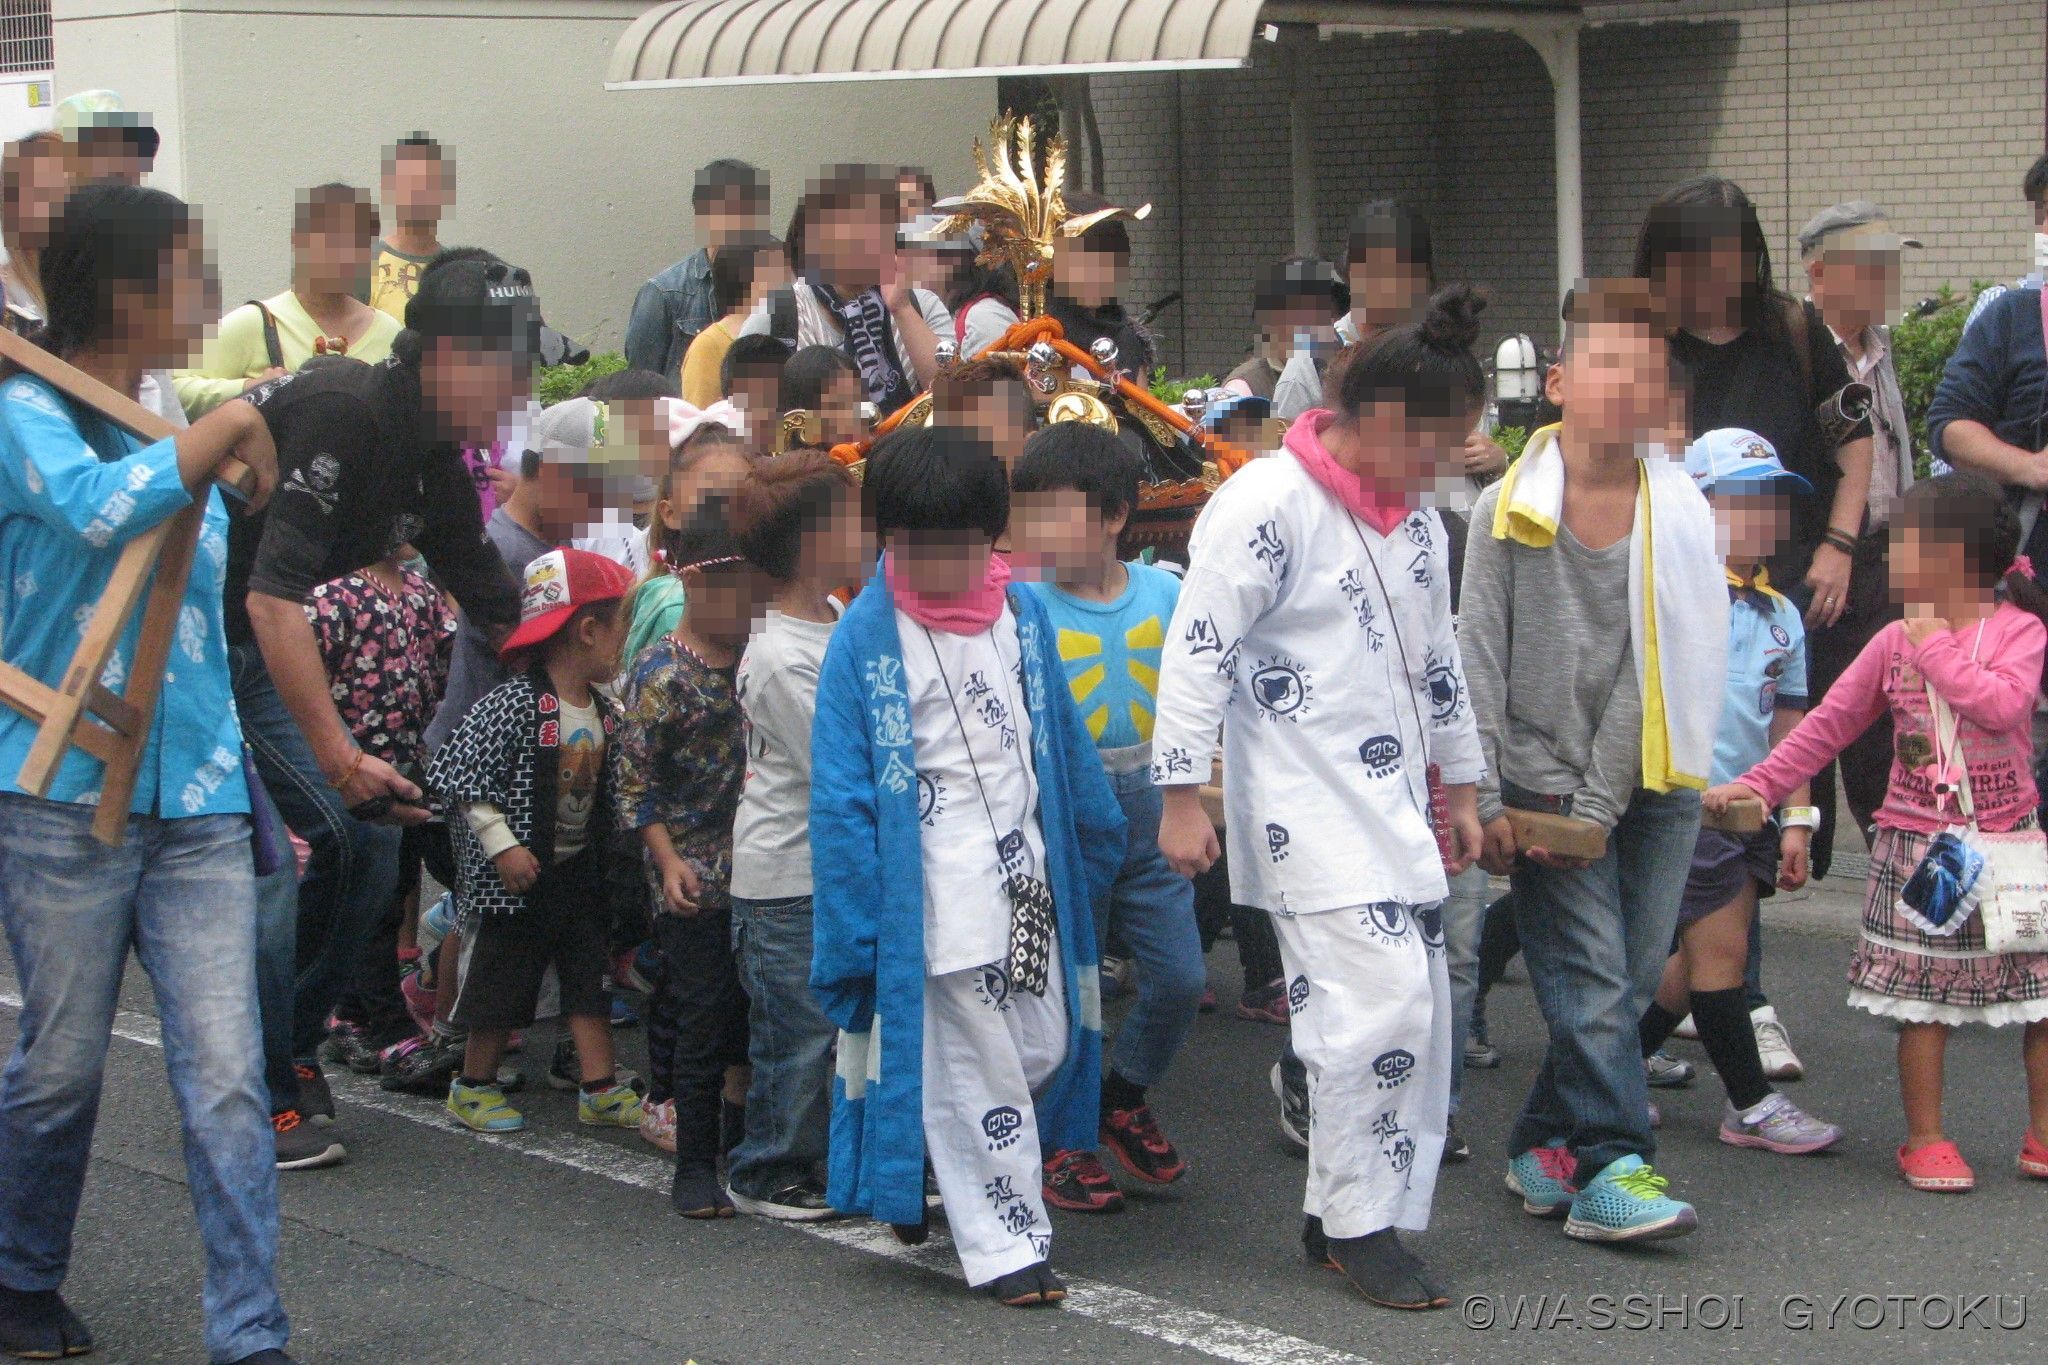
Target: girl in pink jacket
<point>1953,544</point>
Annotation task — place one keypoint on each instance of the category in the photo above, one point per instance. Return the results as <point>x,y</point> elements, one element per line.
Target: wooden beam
<point>35,698</point>
<point>103,631</point>
<point>146,673</point>
<point>116,407</point>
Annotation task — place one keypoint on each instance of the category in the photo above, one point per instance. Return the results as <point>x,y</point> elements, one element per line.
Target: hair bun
<point>1451,322</point>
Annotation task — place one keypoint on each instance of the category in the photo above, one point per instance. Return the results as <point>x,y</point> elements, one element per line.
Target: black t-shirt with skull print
<point>358,472</point>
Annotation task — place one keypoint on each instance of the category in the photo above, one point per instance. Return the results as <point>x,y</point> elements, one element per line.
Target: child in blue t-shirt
<point>1074,490</point>
<point>1765,699</point>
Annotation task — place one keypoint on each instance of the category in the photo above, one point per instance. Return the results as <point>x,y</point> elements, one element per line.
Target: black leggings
<point>696,1025</point>
<point>1258,947</point>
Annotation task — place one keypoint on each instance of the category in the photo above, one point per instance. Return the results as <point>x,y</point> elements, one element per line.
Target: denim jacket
<point>668,312</point>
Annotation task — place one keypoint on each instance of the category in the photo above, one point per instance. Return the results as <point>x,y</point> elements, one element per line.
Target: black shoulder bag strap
<point>271,345</point>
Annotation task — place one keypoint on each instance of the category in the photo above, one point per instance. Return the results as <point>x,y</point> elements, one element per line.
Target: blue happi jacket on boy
<point>868,950</point>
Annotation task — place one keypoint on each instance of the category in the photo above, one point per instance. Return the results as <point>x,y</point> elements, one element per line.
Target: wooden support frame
<point>80,713</point>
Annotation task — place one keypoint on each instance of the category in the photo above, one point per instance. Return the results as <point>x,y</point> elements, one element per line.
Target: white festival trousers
<point>1369,1003</point>
<point>987,1050</point>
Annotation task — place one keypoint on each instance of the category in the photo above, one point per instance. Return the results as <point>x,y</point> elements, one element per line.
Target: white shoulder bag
<point>2012,892</point>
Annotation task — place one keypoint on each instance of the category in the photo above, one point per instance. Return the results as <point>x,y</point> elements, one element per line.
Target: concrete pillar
<point>1296,47</point>
<point>1558,45</point>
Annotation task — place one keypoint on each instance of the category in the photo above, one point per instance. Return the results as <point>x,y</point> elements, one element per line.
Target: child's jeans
<point>1464,910</point>
<point>696,1024</point>
<point>1152,908</point>
<point>1596,940</point>
<point>789,1041</point>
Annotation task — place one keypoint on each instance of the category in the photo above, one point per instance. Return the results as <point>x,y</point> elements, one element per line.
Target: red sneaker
<point>1133,1136</point>
<point>1937,1168</point>
<point>1076,1182</point>
<point>2034,1157</point>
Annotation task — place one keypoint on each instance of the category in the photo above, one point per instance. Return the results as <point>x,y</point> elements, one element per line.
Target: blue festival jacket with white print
<point>73,492</point>
<point>868,950</point>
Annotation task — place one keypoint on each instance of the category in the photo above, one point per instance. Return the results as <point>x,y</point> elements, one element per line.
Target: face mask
<point>2041,252</point>
<point>1315,342</point>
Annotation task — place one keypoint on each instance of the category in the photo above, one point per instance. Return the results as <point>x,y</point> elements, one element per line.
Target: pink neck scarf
<point>1305,442</point>
<point>963,613</point>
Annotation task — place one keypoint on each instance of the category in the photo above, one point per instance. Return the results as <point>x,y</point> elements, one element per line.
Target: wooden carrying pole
<point>79,713</point>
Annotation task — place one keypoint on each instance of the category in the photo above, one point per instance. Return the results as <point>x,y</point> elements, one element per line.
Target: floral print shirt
<point>387,657</point>
<point>682,758</point>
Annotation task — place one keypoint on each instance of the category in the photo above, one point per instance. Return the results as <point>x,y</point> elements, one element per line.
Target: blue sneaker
<point>623,1013</point>
<point>1626,1203</point>
<point>1543,1177</point>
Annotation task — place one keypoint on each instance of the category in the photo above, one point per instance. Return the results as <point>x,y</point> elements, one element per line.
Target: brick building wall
<point>1934,110</point>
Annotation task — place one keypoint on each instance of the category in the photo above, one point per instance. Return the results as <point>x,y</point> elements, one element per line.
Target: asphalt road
<point>558,1245</point>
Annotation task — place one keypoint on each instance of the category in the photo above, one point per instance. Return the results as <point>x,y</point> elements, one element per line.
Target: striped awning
<point>734,42</point>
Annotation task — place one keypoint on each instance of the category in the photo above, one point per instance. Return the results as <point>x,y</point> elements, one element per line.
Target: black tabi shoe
<point>1032,1287</point>
<point>1315,1244</point>
<point>697,1193</point>
<point>1439,1296</point>
<point>39,1325</point>
<point>914,1234</point>
<point>1382,1270</point>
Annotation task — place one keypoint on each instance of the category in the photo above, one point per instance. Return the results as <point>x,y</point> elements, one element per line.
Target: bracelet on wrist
<point>339,783</point>
<point>1840,539</point>
<point>1799,817</point>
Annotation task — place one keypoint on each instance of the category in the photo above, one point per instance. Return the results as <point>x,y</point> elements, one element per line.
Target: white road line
<point>1160,1319</point>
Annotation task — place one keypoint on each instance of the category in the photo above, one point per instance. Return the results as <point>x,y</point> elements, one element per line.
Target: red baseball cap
<point>557,583</point>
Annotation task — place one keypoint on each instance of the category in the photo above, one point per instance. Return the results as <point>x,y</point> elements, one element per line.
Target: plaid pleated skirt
<point>1900,972</point>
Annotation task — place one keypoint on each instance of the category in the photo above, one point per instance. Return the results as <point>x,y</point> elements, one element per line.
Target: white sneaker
<point>1687,1029</point>
<point>1774,1046</point>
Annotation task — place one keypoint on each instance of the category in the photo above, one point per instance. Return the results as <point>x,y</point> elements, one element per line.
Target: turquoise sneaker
<point>1543,1177</point>
<point>483,1108</point>
<point>1626,1203</point>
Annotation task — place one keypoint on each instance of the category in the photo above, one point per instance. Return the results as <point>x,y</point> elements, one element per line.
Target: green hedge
<point>1169,391</point>
<point>1921,347</point>
<point>566,381</point>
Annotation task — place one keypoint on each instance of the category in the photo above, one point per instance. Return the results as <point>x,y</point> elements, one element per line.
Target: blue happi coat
<point>868,959</point>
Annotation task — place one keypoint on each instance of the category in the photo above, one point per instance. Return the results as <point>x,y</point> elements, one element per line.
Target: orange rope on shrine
<point>1022,337</point>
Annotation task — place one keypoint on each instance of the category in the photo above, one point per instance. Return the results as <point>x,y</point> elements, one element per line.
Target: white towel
<point>1677,597</point>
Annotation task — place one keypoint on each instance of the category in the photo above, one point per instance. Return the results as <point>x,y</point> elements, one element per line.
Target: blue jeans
<point>1595,941</point>
<point>1464,911</point>
<point>1152,910</point>
<point>350,876</point>
<point>277,944</point>
<point>178,892</point>
<point>789,1103</point>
